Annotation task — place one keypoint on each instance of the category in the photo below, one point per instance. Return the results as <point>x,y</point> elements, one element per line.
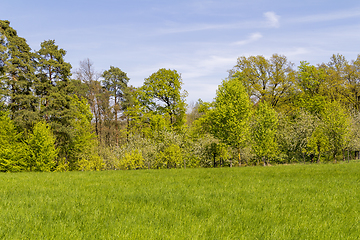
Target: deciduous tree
<point>162,94</point>
<point>230,116</point>
<point>263,131</point>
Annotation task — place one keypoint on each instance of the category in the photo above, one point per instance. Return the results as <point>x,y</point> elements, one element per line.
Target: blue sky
<point>201,39</point>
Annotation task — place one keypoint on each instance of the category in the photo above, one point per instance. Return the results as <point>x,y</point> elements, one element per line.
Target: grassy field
<point>279,202</point>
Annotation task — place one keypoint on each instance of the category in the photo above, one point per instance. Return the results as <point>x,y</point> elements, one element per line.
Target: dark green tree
<point>54,91</point>
<point>115,81</point>
<point>17,76</point>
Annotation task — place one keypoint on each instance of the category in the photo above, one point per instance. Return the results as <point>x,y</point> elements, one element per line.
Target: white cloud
<point>272,19</point>
<point>328,16</point>
<point>254,37</point>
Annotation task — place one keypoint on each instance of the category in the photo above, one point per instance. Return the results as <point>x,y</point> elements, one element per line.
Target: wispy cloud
<point>272,19</point>
<point>254,37</point>
<point>328,16</point>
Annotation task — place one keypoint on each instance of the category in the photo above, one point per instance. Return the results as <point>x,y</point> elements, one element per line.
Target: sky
<point>201,39</point>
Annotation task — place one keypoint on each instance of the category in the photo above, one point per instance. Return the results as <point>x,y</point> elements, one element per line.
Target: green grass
<point>280,202</point>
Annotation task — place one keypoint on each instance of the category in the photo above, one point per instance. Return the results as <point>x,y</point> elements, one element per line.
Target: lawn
<point>278,202</point>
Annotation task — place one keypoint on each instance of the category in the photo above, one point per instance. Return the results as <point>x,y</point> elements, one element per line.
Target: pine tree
<point>54,90</point>
<point>17,76</point>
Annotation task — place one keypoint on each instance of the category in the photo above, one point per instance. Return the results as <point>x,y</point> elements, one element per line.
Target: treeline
<point>265,112</point>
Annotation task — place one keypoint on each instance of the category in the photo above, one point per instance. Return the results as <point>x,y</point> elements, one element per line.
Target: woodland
<point>55,118</point>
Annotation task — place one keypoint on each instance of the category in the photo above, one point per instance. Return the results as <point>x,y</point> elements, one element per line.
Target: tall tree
<point>230,116</point>
<point>336,127</point>
<point>88,76</point>
<point>115,81</point>
<point>17,76</point>
<point>263,131</point>
<point>54,90</point>
<point>270,80</point>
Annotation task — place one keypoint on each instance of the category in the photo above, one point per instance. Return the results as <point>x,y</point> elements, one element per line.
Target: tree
<point>12,151</point>
<point>54,90</point>
<point>161,93</point>
<point>81,149</point>
<point>17,76</point>
<point>230,116</point>
<point>41,148</point>
<point>90,78</point>
<point>115,81</point>
<point>268,80</point>
<point>294,132</point>
<point>263,131</point>
<point>318,143</point>
<point>336,127</point>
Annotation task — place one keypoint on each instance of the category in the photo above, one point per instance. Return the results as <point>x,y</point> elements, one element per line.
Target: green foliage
<point>230,115</point>
<point>270,80</point>
<point>41,148</point>
<point>12,151</point>
<point>336,127</point>
<point>293,134</point>
<point>132,160</point>
<point>109,120</point>
<point>81,151</point>
<point>17,76</point>
<point>263,129</point>
<point>161,93</point>
<point>318,142</point>
<point>115,81</point>
<point>170,157</point>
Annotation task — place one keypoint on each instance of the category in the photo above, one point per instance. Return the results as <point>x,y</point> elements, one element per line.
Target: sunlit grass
<point>280,202</point>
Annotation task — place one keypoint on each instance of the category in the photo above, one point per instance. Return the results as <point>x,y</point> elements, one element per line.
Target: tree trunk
<point>303,157</point>
<point>348,155</point>
<point>116,123</point>
<point>318,160</point>
<point>214,160</point>
<point>239,155</point>
<point>264,161</point>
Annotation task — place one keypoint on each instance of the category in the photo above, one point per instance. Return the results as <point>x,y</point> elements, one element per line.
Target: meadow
<point>277,202</point>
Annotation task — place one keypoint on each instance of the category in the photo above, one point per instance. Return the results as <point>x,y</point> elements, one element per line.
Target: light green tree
<point>229,118</point>
<point>263,129</point>
<point>132,160</point>
<point>294,132</point>
<point>270,80</point>
<point>170,157</point>
<point>336,127</point>
<point>318,143</point>
<point>12,151</point>
<point>82,154</point>
<point>162,94</point>
<point>41,148</point>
